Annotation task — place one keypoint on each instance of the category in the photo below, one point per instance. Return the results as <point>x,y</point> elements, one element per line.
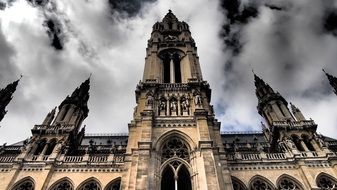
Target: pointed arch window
<point>90,185</point>
<point>63,185</point>
<point>237,184</point>
<point>114,185</point>
<point>326,182</point>
<point>40,146</point>
<point>286,183</point>
<point>261,184</point>
<point>26,184</point>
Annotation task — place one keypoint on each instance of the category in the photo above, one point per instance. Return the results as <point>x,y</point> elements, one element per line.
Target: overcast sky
<point>56,44</point>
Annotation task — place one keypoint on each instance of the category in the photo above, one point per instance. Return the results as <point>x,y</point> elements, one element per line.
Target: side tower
<point>287,129</point>
<point>174,139</point>
<point>60,131</point>
<point>6,96</point>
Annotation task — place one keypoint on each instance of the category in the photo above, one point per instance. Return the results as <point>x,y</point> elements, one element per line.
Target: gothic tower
<point>285,126</point>
<point>332,81</point>
<point>6,96</point>
<point>60,131</point>
<point>174,138</point>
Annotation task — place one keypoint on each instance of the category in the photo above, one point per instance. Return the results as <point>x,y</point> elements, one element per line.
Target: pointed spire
<point>6,96</point>
<point>332,81</point>
<point>79,97</point>
<point>262,88</point>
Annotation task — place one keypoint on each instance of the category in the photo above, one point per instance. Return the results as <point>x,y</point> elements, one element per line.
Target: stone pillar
<point>172,74</point>
<point>60,114</point>
<point>69,113</point>
<point>303,145</point>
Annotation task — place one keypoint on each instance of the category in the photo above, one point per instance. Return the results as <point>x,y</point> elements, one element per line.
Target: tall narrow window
<point>166,70</point>
<point>167,181</point>
<point>177,71</point>
<point>184,178</point>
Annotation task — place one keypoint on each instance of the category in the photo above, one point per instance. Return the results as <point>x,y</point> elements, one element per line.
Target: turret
<point>283,127</point>
<point>271,105</point>
<point>6,96</point>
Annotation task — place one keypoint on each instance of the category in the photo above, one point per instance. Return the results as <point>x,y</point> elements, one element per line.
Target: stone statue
<point>162,105</point>
<point>185,105</point>
<point>173,105</point>
<point>197,100</point>
<point>290,143</point>
<point>149,100</point>
<point>281,146</point>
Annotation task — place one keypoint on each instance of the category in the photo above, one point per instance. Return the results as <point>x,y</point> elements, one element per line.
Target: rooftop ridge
<point>240,132</point>
<point>105,134</point>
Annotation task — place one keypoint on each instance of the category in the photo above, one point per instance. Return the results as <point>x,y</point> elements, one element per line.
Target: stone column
<point>69,114</point>
<point>304,145</point>
<point>60,114</point>
<point>172,74</point>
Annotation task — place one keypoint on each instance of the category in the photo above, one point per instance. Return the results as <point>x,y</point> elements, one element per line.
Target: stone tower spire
<point>271,105</point>
<point>6,96</point>
<point>332,80</point>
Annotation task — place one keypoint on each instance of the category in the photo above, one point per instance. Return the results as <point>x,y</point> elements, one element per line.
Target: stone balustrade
<point>7,159</point>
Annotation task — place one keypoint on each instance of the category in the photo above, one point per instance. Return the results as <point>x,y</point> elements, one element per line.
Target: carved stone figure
<point>290,144</point>
<point>149,100</point>
<point>197,100</point>
<point>162,105</point>
<point>185,105</point>
<point>173,105</point>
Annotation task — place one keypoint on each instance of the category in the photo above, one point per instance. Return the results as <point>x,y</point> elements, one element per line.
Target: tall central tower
<point>174,139</point>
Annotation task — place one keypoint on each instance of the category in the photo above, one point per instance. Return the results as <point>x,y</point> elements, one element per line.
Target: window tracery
<point>90,185</point>
<point>237,185</point>
<point>63,185</point>
<point>175,147</point>
<point>327,183</point>
<point>288,184</point>
<point>260,184</point>
<point>114,185</point>
<point>25,185</point>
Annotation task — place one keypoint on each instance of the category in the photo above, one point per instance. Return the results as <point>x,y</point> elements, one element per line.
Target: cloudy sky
<point>56,44</point>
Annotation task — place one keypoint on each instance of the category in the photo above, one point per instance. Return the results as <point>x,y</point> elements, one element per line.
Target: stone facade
<point>174,140</point>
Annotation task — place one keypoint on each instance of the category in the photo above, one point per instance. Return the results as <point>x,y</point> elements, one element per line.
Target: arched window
<point>260,183</point>
<point>114,184</point>
<point>288,183</point>
<point>297,142</point>
<point>24,184</point>
<point>171,67</point>
<point>326,182</point>
<point>237,184</point>
<point>40,146</point>
<point>307,142</point>
<point>63,184</point>
<point>91,184</point>
<point>50,147</point>
<point>175,156</point>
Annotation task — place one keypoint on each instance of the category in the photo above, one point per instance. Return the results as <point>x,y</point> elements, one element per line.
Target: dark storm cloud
<point>6,4</point>
<point>330,21</point>
<point>39,3</point>
<point>55,33</point>
<point>128,8</point>
<point>237,14</point>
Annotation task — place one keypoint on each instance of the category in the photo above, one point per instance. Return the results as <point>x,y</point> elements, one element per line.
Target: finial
<point>170,11</point>
<point>324,71</point>
<point>90,75</point>
<point>20,76</point>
